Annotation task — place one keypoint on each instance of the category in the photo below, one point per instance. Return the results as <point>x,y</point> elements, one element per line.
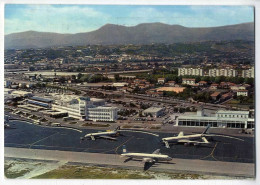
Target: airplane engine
<point>186,144</point>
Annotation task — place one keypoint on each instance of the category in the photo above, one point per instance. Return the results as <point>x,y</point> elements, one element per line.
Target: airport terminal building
<point>220,118</point>
<point>83,108</point>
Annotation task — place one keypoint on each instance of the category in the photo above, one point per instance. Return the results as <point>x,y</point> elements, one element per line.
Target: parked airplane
<point>195,139</point>
<point>148,159</point>
<point>104,135</point>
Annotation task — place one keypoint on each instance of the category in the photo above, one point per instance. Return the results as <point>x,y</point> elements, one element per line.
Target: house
<point>215,95</point>
<point>237,87</point>
<point>171,83</point>
<point>161,80</point>
<point>202,83</point>
<point>188,81</point>
<point>242,92</point>
<point>214,86</point>
<point>226,96</point>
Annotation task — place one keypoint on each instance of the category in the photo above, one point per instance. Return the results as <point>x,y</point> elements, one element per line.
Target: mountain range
<point>146,33</point>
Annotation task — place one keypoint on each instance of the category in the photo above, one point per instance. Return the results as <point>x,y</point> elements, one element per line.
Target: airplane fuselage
<point>188,137</point>
<point>144,155</point>
<point>101,133</point>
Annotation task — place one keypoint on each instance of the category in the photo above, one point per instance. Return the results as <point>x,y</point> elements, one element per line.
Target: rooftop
<point>231,112</point>
<point>153,109</point>
<point>41,99</point>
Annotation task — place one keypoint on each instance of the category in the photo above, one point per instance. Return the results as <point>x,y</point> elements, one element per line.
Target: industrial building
<point>153,111</point>
<point>220,118</point>
<point>39,101</point>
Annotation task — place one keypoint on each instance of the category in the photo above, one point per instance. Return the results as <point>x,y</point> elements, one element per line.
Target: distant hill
<point>146,33</point>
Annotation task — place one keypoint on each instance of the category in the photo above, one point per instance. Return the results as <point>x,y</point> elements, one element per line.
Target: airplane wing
<point>156,151</point>
<point>147,160</point>
<point>92,138</point>
<point>107,137</point>
<point>184,141</point>
<point>180,134</point>
<point>204,140</point>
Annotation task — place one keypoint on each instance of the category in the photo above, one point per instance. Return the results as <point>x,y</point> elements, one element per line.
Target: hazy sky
<point>84,18</point>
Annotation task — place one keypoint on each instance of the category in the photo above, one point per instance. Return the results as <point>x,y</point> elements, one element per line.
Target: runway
<point>111,160</point>
<point>38,137</point>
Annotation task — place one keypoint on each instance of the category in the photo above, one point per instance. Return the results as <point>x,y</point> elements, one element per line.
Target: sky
<point>85,18</point>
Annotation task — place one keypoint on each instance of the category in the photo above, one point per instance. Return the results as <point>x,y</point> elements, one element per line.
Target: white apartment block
<point>222,72</point>
<point>190,71</point>
<point>250,73</point>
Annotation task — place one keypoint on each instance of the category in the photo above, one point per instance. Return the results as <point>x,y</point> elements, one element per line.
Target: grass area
<point>92,172</point>
<point>233,101</point>
<point>14,174</point>
<point>94,125</point>
<point>127,126</point>
<point>8,109</point>
<point>72,123</point>
<point>155,128</point>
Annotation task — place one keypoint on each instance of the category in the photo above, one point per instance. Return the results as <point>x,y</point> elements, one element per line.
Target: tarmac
<point>226,155</point>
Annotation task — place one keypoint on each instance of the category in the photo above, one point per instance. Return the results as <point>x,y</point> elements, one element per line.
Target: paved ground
<point>38,137</point>
<point>176,165</point>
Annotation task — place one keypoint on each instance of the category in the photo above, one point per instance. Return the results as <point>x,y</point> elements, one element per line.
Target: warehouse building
<point>153,111</point>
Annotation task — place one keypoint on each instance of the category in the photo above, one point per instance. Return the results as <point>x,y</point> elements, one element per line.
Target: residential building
<point>242,92</point>
<point>190,71</point>
<point>223,72</point>
<point>249,73</point>
<point>188,81</point>
<point>161,80</point>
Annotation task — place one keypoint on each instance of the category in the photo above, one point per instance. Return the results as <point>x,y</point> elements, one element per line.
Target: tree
<point>117,77</point>
<point>80,75</point>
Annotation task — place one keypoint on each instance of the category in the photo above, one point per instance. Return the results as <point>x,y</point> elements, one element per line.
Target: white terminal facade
<point>220,118</point>
<point>84,108</point>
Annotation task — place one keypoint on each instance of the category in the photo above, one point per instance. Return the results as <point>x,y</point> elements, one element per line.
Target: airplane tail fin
<point>124,149</point>
<point>117,128</point>
<point>206,130</point>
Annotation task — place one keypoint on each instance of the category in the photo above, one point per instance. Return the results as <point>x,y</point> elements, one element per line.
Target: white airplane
<point>104,135</point>
<point>156,156</point>
<point>195,139</point>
